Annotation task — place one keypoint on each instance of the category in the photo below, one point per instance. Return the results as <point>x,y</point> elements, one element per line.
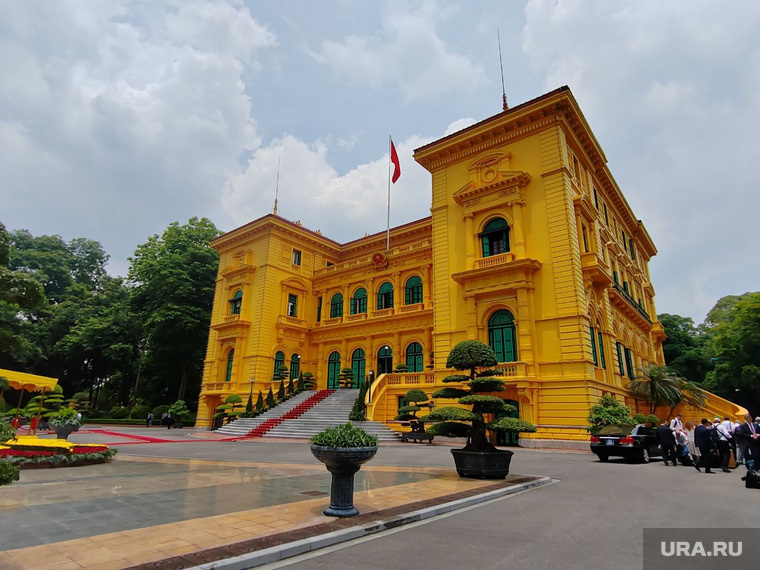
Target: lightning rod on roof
<point>504,105</point>
<point>277,187</point>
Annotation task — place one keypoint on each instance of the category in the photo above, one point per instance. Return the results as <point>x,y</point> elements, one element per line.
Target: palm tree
<point>657,386</point>
<point>691,394</point>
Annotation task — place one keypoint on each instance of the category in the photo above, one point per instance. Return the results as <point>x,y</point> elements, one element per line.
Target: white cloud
<point>669,90</point>
<point>406,52</point>
<point>344,206</point>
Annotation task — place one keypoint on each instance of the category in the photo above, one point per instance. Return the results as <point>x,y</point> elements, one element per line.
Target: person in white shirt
<point>724,448</point>
<point>676,424</point>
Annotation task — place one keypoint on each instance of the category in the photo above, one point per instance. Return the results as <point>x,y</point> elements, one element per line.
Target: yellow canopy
<point>29,382</point>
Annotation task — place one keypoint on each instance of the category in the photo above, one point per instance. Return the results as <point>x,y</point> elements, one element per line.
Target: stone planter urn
<point>64,431</point>
<point>342,463</point>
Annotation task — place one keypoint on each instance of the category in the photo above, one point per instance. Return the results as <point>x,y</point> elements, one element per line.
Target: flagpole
<point>388,228</point>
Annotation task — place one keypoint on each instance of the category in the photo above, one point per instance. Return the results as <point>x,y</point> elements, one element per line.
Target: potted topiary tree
<point>179,413</point>
<point>343,450</point>
<point>64,422</point>
<point>308,381</point>
<point>479,459</point>
<point>346,377</point>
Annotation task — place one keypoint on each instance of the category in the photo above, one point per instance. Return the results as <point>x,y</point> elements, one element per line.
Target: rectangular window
<point>330,264</point>
<point>629,362</point>
<point>296,257</point>
<point>625,243</point>
<point>601,349</point>
<point>593,347</point>
<point>606,219</point>
<point>319,309</point>
<point>630,247</point>
<point>292,305</point>
<point>584,233</point>
<point>620,358</point>
<point>336,307</point>
<point>596,200</point>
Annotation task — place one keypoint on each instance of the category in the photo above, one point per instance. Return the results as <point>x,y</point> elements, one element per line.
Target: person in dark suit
<point>703,440</point>
<point>748,435</point>
<point>667,442</point>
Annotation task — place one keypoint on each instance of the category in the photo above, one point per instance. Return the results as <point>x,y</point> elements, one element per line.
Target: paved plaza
<point>175,496</point>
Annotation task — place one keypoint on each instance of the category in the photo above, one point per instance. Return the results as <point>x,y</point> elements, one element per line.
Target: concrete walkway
<point>174,496</point>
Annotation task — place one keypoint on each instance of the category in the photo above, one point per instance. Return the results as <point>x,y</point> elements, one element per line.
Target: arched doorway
<point>414,357</point>
<point>501,336</point>
<point>384,360</point>
<point>333,370</point>
<point>358,364</point>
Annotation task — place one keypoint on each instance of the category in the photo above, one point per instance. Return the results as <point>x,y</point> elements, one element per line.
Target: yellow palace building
<point>531,247</point>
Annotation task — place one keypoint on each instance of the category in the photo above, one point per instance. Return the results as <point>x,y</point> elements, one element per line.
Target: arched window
<point>385,296</point>
<point>295,366</point>
<point>358,366</point>
<point>494,238</point>
<point>333,370</point>
<point>336,306</point>
<point>359,301</point>
<point>384,360</point>
<point>501,336</point>
<point>230,358</point>
<point>236,302</point>
<point>413,291</point>
<point>414,357</point>
<point>279,360</point>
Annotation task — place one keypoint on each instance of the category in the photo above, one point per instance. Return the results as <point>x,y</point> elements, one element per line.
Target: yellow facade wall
<point>576,261</point>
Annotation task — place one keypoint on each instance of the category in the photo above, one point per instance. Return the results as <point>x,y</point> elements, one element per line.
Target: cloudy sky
<point>118,118</point>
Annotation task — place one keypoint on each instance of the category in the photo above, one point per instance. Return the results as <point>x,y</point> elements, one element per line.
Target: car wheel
<point>644,457</point>
<point>603,457</point>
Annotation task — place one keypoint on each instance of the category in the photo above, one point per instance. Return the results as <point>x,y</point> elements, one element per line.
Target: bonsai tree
<point>281,373</point>
<point>651,419</point>
<point>458,422</point>
<point>308,381</point>
<point>178,410</point>
<point>414,403</point>
<point>401,368</point>
<point>608,412</point>
<point>232,400</point>
<point>346,377</point>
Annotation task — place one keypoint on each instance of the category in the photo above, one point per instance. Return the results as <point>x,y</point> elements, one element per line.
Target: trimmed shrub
<point>8,473</point>
<point>159,411</point>
<point>119,412</point>
<point>139,412</point>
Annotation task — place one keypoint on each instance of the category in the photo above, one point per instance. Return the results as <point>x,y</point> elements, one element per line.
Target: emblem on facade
<point>379,260</point>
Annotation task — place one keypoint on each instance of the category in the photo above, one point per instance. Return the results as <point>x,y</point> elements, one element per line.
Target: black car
<point>637,443</point>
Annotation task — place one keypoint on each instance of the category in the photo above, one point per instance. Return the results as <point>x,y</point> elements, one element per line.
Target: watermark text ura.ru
<point>716,548</point>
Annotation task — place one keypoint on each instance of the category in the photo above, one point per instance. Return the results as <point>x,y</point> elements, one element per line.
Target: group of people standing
<point>698,444</point>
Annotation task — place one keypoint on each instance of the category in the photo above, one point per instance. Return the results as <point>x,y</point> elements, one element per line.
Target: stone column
<point>518,232</point>
<point>472,318</point>
<point>469,241</point>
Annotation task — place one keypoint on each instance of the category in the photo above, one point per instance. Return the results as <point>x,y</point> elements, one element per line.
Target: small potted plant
<point>479,459</point>
<point>343,450</point>
<point>178,413</point>
<point>65,422</point>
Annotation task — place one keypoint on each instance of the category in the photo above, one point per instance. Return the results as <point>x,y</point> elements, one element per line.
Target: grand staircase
<point>305,415</point>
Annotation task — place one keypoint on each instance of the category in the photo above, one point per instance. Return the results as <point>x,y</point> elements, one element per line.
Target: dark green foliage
<point>608,412</point>
<point>359,411</point>
<point>139,412</point>
<point>456,379</point>
<point>178,410</point>
<point>6,431</point>
<point>270,399</point>
<point>281,391</point>
<point>159,411</point>
<point>8,472</point>
<point>346,378</point>
<point>344,435</point>
<point>301,385</point>
<point>401,368</point>
<point>471,354</point>
<point>686,348</point>
<point>291,387</point>
<point>249,404</point>
<point>309,381</point>
<point>450,393</point>
<point>416,396</point>
<point>650,419</point>
<point>260,403</point>
<point>119,412</point>
<point>511,424</point>
<point>233,400</point>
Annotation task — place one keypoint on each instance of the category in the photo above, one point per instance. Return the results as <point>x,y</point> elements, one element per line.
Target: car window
<point>644,430</point>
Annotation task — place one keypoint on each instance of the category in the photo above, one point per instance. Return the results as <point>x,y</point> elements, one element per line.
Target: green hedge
<point>8,473</point>
<point>128,422</point>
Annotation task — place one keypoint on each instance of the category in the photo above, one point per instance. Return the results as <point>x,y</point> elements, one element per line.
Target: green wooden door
<point>333,371</point>
<point>358,363</point>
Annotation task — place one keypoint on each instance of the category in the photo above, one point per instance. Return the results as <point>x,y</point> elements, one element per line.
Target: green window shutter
<point>336,306</point>
<point>230,359</point>
<point>619,347</point>
<point>601,350</point>
<point>629,362</point>
<point>593,347</point>
<point>279,360</point>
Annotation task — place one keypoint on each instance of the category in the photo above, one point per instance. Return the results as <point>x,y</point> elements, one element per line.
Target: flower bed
<point>31,451</point>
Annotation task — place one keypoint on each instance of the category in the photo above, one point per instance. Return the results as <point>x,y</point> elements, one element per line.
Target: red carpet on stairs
<point>296,412</point>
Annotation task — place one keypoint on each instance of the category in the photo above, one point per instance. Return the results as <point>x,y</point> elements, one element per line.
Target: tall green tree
<point>736,346</point>
<point>656,385</point>
<point>686,350</point>
<point>20,296</point>
<point>173,277</point>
